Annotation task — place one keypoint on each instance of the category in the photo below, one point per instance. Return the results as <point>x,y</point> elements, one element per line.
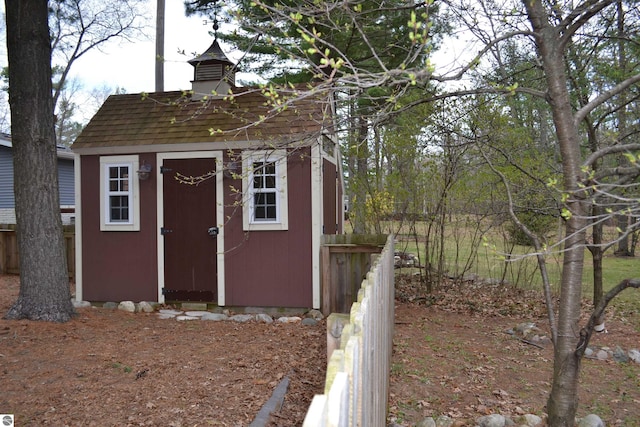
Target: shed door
<point>189,192</point>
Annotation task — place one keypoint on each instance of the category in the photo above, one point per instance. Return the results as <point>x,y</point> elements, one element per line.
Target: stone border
<point>310,318</point>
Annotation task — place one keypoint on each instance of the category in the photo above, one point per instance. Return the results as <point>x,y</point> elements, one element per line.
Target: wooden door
<point>189,233</point>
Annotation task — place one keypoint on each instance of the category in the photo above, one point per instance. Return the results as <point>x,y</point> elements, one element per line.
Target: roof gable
<point>173,118</point>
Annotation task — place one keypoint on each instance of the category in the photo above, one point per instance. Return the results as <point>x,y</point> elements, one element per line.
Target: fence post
<point>357,379</point>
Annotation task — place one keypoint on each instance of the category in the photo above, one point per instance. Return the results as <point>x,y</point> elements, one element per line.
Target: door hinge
<point>164,231</point>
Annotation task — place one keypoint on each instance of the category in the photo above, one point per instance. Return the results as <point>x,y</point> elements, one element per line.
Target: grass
<point>118,366</point>
<point>496,258</point>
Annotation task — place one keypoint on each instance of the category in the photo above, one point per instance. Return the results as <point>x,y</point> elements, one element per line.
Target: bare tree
<point>547,27</point>
<point>78,26</point>
<point>552,40</point>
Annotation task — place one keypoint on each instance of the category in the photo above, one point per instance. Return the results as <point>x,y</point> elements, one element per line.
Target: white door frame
<point>217,155</point>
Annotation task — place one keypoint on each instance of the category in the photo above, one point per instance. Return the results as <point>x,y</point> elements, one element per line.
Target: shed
<point>219,194</point>
<point>66,182</point>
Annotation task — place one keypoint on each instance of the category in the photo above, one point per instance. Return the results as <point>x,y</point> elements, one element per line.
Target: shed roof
<point>173,118</point>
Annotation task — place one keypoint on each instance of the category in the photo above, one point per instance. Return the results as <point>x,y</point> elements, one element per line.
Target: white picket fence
<point>357,384</point>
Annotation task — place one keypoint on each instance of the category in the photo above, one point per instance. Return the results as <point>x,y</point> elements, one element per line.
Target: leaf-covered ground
<point>111,368</point>
<point>453,357</point>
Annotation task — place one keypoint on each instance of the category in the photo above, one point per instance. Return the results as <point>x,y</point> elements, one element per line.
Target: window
<point>265,207</point>
<point>119,201</point>
<point>119,194</point>
<point>265,190</point>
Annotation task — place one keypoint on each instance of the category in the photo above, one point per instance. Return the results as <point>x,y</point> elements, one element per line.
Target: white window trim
<point>132,163</point>
<point>282,215</point>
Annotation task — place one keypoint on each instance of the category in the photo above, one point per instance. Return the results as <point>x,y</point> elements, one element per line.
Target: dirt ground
<point>451,356</point>
<point>111,368</point>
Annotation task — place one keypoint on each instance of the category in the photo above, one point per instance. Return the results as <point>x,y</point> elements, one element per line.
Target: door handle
<point>213,231</point>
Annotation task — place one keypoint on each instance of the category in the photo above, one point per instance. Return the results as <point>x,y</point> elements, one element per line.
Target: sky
<point>131,66</point>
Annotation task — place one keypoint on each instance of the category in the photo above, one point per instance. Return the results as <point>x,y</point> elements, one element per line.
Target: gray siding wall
<point>6,178</point>
<point>66,182</point>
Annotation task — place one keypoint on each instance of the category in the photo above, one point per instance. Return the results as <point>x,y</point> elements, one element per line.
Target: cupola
<point>214,74</point>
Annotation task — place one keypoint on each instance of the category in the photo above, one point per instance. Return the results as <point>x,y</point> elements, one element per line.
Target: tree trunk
<point>596,249</point>
<point>44,282</point>
<point>622,220</point>
<point>597,254</point>
<point>563,399</point>
<point>360,179</point>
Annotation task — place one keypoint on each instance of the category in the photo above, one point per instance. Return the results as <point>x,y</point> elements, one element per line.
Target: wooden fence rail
<point>357,383</point>
<point>10,261</point>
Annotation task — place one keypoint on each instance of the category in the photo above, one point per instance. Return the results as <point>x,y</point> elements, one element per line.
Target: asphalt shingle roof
<point>173,118</point>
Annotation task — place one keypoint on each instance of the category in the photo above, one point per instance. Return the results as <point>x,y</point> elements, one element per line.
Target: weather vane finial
<point>216,23</point>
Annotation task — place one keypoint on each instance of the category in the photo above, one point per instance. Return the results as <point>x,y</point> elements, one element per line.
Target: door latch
<point>213,231</point>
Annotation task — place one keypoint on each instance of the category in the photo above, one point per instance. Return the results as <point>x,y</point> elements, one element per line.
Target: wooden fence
<point>346,260</point>
<point>10,261</point>
<point>357,383</point>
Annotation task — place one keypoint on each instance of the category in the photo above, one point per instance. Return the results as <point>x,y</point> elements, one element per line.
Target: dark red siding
<point>272,268</point>
<point>118,265</point>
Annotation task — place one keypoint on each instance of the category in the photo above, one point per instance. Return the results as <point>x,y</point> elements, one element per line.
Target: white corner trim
<point>78,225</point>
<point>316,221</point>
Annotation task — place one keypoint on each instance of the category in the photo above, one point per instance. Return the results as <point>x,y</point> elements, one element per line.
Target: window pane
<point>119,178</point>
<point>119,208</point>
<point>270,168</point>
<point>265,204</point>
<point>270,181</point>
<point>271,212</point>
<point>270,198</point>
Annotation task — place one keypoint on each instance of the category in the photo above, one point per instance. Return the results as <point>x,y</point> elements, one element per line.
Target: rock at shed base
<point>127,306</point>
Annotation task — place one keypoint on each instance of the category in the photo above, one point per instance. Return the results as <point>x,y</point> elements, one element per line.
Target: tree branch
<point>476,59</point>
<point>614,149</point>
<point>587,331</point>
<point>580,15</point>
<point>539,254</point>
<point>582,112</point>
